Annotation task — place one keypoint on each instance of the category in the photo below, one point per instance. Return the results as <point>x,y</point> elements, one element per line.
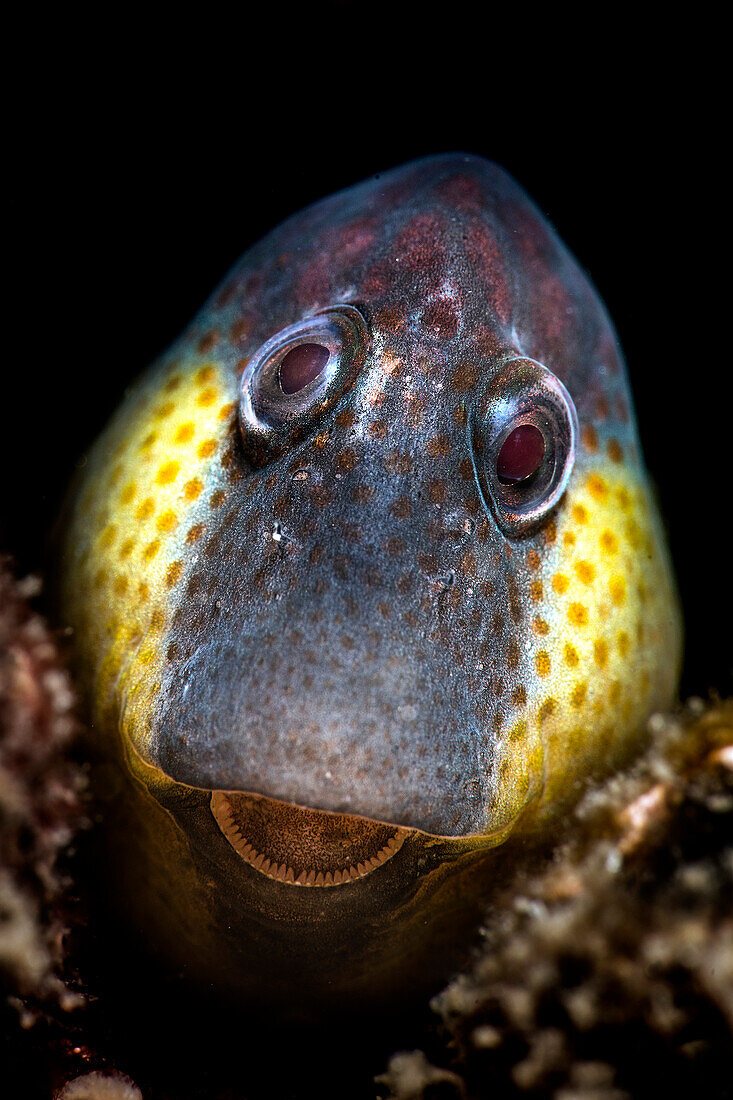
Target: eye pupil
<point>301,365</point>
<point>521,454</point>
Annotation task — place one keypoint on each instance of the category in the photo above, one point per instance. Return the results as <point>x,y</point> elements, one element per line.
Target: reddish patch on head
<point>356,239</point>
<point>554,311</point>
<point>441,315</point>
<point>418,245</point>
<point>484,255</point>
<point>378,278</point>
<point>392,318</point>
<point>240,330</point>
<point>314,281</point>
<point>462,192</point>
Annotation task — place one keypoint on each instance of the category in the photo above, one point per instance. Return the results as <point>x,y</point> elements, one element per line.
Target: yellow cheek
<point>140,512</point>
<point>605,630</point>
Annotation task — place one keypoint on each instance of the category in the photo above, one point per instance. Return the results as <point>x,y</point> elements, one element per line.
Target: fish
<point>367,584</point>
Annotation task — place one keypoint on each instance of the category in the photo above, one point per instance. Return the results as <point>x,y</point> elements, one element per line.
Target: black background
<point>143,160</point>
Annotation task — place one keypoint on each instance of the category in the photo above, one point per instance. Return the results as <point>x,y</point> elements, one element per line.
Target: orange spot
<point>609,542</point>
<point>345,461</point>
<point>205,374</point>
<point>622,496</point>
<point>580,513</point>
<point>152,549</point>
<point>128,493</point>
<point>438,446</point>
<point>195,533</point>
<point>540,626</point>
<point>519,696</point>
<point>585,571</point>
<point>560,583</point>
<point>146,509</point>
<point>217,498</point>
<point>206,397</point>
<point>108,537</point>
<point>173,383</point>
<point>173,573</point>
<point>167,521</point>
<point>184,433</point>
<point>617,588</point>
<point>615,692</point>
<point>535,591</point>
<point>157,619</point>
<point>633,533</point>
<point>148,442</point>
<point>167,473</point>
<point>518,732</point>
<point>193,488</point>
<point>120,586</point>
<point>143,591</point>
<point>623,642</point>
<point>579,693</point>
<point>578,614</point>
<point>227,410</point>
<point>614,450</point>
<point>547,708</point>
<point>164,410</point>
<point>208,341</point>
<point>542,663</point>
<point>127,547</point>
<point>437,491</point>
<point>600,652</point>
<point>207,448</point>
<point>571,656</point>
<point>589,437</point>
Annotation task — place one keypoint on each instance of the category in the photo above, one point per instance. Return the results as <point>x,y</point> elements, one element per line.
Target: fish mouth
<point>303,847</point>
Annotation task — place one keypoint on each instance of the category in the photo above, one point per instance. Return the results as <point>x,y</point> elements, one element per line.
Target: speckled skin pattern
<point>340,622</point>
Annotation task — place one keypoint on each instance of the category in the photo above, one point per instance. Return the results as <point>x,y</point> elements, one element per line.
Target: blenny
<point>367,582</point>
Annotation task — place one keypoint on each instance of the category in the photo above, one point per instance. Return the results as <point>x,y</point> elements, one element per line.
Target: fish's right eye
<point>297,376</point>
<point>523,436</point>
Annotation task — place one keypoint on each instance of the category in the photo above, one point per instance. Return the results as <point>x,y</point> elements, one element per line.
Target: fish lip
<point>302,847</point>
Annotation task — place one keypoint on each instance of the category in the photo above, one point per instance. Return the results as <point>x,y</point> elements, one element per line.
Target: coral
<point>40,806</point>
<point>100,1086</point>
<point>609,973</point>
<point>40,811</point>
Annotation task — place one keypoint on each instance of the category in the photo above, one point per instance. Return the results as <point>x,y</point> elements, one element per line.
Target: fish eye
<point>302,365</point>
<point>521,454</point>
<point>297,376</point>
<point>523,432</point>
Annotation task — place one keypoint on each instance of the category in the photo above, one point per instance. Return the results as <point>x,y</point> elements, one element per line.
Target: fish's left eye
<point>523,435</point>
<point>297,376</point>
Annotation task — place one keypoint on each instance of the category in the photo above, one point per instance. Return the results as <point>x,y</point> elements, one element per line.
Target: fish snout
<point>375,726</point>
